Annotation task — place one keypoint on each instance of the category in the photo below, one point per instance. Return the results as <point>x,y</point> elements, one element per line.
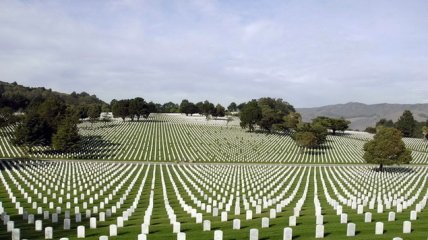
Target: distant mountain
<point>363,115</point>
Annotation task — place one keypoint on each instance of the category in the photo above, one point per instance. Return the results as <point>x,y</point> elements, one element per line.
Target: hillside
<point>363,115</point>
<point>18,97</point>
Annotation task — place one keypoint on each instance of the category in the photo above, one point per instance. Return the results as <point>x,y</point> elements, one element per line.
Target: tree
<point>334,124</point>
<point>232,107</point>
<point>370,130</point>
<point>219,111</point>
<point>138,108</point>
<point>94,112</point>
<point>67,137</point>
<point>120,108</point>
<point>291,121</point>
<point>250,115</point>
<point>170,107</point>
<point>273,112</point>
<point>208,109</point>
<point>385,123</point>
<point>34,130</point>
<point>406,124</point>
<point>187,107</point>
<point>387,148</point>
<point>305,140</point>
<point>7,117</point>
<point>425,133</point>
<point>316,129</point>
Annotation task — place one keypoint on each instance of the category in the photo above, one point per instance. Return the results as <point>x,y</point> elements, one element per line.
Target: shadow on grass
<point>91,147</point>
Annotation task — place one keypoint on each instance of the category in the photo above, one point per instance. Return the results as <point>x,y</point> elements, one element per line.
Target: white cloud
<point>305,52</point>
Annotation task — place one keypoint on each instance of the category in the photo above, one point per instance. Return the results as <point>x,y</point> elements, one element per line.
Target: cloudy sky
<point>310,53</point>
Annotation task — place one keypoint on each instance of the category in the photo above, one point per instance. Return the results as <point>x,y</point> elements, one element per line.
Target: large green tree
<point>94,112</point>
<point>32,131</point>
<point>305,140</point>
<point>406,124</point>
<point>387,148</point>
<point>250,115</point>
<point>120,108</point>
<point>232,107</point>
<point>67,137</point>
<point>334,124</point>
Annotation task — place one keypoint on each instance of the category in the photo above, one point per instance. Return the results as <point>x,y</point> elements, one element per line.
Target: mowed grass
<point>257,181</point>
<point>177,138</point>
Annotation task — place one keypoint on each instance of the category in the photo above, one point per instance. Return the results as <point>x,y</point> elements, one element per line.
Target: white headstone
<point>292,221</point>
<point>236,224</point>
<point>103,238</point>
<point>343,218</point>
<point>39,226</point>
<point>54,217</point>
<point>142,236</point>
<point>93,223</point>
<point>254,234</point>
<point>368,217</point>
<point>144,228</point>
<point>224,216</point>
<point>81,232</point>
<point>350,230</point>
<point>391,216</point>
<point>48,233</point>
<point>319,231</point>
<point>16,234</point>
<point>10,226</point>
<point>113,230</point>
<point>181,236</point>
<point>413,215</point>
<point>199,218</point>
<point>319,220</point>
<point>119,222</point>
<point>407,227</point>
<point>288,233</point>
<point>249,215</point>
<point>218,235</point>
<point>176,227</point>
<point>265,222</point>
<point>379,228</point>
<point>207,225</point>
<point>67,224</point>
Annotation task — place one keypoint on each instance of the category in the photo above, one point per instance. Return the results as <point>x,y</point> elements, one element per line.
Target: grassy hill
<point>177,138</point>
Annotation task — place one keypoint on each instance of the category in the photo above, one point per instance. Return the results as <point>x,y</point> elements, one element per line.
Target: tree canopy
<point>406,124</point>
<point>250,115</point>
<point>334,124</point>
<point>387,148</point>
<point>266,112</point>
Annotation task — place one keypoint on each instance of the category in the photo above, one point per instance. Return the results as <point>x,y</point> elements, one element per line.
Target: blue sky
<point>310,53</point>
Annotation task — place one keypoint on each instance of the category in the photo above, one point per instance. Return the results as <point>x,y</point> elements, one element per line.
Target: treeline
<point>406,124</point>
<point>18,98</point>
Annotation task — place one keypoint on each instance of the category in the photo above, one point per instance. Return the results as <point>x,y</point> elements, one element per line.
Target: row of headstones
<point>352,204</point>
<point>266,203</point>
<point>351,229</point>
<point>38,223</point>
<point>400,189</point>
<point>35,204</point>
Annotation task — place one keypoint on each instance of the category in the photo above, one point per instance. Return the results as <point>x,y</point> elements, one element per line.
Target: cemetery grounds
<point>178,177</point>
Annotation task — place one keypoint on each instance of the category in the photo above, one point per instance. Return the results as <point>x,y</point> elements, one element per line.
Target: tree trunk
<point>381,167</point>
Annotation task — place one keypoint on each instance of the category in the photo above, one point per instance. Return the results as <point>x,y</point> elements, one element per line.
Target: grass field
<point>186,173</point>
<point>190,189</point>
<point>177,138</point>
